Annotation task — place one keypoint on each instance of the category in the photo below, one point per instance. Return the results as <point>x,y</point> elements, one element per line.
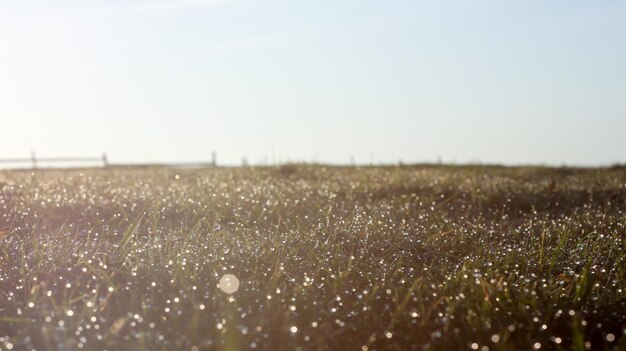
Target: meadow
<point>315,258</point>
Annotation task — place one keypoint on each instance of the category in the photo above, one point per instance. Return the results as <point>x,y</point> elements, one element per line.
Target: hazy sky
<point>323,80</point>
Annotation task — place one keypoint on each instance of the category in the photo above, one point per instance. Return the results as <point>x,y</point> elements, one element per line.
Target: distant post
<point>105,162</point>
<point>33,158</point>
<point>213,158</point>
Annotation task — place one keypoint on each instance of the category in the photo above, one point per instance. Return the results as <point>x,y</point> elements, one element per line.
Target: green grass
<point>373,258</point>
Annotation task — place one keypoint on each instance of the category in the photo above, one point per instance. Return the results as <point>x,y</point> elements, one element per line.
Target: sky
<point>510,82</point>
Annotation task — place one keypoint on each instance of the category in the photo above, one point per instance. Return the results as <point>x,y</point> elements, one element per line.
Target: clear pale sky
<point>490,81</point>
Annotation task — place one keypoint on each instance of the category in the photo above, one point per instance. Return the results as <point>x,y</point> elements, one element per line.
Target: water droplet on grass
<point>229,284</point>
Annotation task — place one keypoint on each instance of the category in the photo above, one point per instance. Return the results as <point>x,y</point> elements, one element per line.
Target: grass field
<point>371,258</point>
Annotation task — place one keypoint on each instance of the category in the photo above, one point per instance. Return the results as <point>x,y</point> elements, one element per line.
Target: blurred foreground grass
<point>376,258</point>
